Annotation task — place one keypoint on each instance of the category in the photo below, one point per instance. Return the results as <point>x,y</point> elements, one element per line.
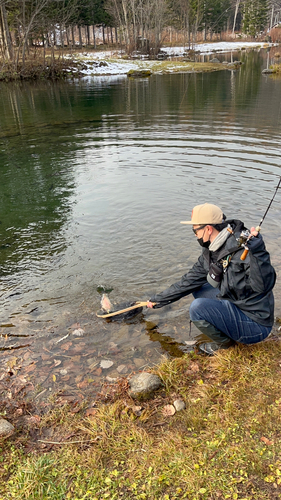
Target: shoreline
<point>76,65</point>
<point>224,444</point>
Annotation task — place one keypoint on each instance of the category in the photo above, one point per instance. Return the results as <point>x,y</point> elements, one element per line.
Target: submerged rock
<point>143,384</point>
<point>122,369</point>
<point>79,332</point>
<point>106,363</point>
<point>6,429</point>
<point>234,65</point>
<point>139,362</point>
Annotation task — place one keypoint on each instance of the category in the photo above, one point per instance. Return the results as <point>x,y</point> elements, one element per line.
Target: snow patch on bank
<point>108,63</point>
<point>209,48</point>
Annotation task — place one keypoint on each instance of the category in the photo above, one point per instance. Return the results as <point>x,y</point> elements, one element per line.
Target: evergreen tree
<point>254,16</point>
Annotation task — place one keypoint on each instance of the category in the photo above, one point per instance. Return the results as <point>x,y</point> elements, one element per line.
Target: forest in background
<point>133,24</point>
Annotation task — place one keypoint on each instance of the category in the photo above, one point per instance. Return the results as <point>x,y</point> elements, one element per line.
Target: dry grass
<point>39,68</point>
<point>224,445</point>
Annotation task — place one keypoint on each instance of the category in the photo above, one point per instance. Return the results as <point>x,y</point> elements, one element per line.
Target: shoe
<point>211,348</point>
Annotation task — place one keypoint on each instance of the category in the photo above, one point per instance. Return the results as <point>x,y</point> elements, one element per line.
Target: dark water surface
<point>95,178</point>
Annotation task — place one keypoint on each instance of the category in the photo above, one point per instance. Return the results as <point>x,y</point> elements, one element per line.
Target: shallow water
<point>95,178</point>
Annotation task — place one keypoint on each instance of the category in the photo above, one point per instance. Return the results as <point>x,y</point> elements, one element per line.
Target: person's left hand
<point>150,304</point>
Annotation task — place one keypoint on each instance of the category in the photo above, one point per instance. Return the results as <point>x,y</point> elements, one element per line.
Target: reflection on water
<point>95,178</point>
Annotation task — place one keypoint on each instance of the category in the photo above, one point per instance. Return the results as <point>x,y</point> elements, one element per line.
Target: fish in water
<point>106,304</point>
<point>108,307</point>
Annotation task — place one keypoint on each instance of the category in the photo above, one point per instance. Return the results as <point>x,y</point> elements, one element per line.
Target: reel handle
<point>244,254</point>
<point>246,251</point>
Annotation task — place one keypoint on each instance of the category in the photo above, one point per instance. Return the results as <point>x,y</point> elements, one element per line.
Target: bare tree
<point>235,15</point>
<point>5,33</point>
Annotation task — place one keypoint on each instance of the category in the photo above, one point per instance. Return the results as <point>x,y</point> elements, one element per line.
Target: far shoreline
<point>91,62</point>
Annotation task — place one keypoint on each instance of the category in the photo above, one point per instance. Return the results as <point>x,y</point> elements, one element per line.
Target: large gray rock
<point>6,429</point>
<point>143,385</point>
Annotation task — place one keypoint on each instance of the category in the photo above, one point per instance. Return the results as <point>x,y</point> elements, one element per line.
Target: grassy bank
<point>79,64</point>
<point>225,444</point>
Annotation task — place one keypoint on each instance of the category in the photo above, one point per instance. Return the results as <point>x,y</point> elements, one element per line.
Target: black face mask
<point>202,243</point>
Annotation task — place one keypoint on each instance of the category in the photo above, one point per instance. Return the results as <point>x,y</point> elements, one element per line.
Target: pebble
<point>112,345</point>
<point>63,372</point>
<point>6,429</point>
<point>90,361</point>
<point>110,379</point>
<point>122,369</point>
<point>79,332</point>
<point>106,363</point>
<point>179,404</point>
<point>139,362</point>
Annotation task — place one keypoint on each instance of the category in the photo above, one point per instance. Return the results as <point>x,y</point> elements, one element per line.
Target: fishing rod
<point>246,235</point>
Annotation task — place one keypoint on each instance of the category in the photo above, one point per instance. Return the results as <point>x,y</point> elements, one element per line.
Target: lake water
<point>95,178</point>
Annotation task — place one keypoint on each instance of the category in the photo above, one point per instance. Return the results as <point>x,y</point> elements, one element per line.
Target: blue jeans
<point>226,317</point>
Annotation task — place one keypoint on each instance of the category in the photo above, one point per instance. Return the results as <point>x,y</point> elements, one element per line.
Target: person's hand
<point>254,232</point>
<point>149,305</point>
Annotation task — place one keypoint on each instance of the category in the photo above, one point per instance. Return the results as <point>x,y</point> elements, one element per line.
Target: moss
<point>142,73</point>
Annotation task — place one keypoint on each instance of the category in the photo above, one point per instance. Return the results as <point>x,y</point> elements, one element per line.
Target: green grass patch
<point>276,69</point>
<point>224,445</point>
<point>185,67</point>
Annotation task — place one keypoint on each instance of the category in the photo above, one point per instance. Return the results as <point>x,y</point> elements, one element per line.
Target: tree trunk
<point>54,37</point>
<point>73,36</point>
<point>2,43</point>
<point>80,37</point>
<point>125,13</point>
<point>94,35</point>
<point>61,39</point>
<point>103,34</point>
<point>116,35</point>
<point>44,47</point>
<point>235,16</point>
<point>8,48</point>
<point>67,36</point>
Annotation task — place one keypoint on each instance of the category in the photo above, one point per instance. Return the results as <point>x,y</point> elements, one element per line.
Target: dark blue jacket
<point>248,284</point>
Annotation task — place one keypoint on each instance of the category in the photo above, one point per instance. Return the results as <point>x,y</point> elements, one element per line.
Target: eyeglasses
<point>198,229</point>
